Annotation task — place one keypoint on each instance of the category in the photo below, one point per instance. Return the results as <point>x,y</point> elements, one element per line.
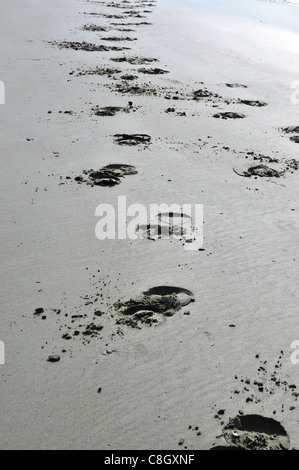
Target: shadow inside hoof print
<point>255,432</point>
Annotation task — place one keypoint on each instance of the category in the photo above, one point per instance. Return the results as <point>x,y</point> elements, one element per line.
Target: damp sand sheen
<point>138,343</point>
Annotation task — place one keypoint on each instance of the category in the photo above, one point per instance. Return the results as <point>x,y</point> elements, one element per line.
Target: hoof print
<point>128,77</point>
<point>134,60</point>
<point>259,170</point>
<point>117,39</point>
<point>292,130</point>
<point>53,359</point>
<point>159,232</point>
<point>202,93</point>
<point>153,306</point>
<point>235,85</point>
<point>110,110</point>
<point>132,139</point>
<point>94,27</point>
<point>154,71</point>
<point>258,104</point>
<point>109,175</point>
<point>168,226</point>
<point>229,115</point>
<point>255,432</point>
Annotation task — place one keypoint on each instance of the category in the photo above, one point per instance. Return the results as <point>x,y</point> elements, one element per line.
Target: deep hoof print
<point>109,175</point>
<point>104,177</point>
<point>153,306</point>
<point>110,110</point>
<point>258,104</point>
<point>203,93</point>
<point>255,432</point>
<point>138,90</point>
<point>235,85</point>
<point>53,359</point>
<point>132,139</point>
<point>86,46</point>
<point>122,169</point>
<point>128,77</point>
<point>135,60</point>
<point>118,39</point>
<point>154,71</point>
<point>94,27</point>
<point>229,115</point>
<point>291,130</point>
<point>259,170</point>
<point>184,296</point>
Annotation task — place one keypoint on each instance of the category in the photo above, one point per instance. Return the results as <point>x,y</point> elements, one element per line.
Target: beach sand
<point>174,383</point>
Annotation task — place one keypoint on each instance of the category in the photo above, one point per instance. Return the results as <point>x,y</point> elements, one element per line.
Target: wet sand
<point>143,344</point>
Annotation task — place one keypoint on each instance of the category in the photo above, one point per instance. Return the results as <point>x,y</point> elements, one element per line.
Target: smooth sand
<point>161,380</point>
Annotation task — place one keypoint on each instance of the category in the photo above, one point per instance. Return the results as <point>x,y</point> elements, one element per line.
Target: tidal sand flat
<point>120,328</point>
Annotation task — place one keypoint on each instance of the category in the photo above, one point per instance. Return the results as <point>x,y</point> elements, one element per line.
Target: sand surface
<point>160,385</point>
